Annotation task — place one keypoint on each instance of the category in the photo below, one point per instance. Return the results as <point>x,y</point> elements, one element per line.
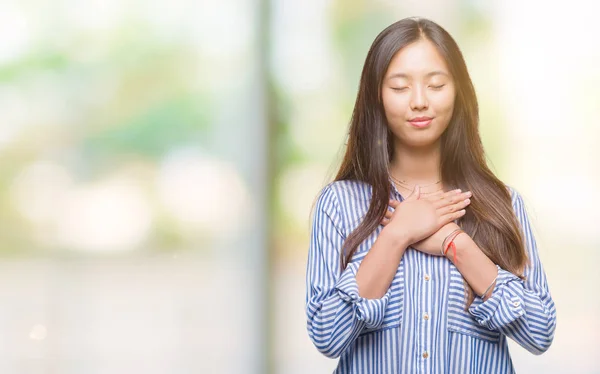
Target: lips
<point>420,122</point>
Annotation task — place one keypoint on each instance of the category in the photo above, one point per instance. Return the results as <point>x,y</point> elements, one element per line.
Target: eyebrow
<point>430,74</point>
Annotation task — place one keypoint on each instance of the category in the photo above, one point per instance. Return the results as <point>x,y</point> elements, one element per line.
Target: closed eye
<point>399,88</point>
<point>437,87</point>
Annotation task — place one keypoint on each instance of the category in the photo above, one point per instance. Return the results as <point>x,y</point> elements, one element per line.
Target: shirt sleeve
<point>521,309</point>
<point>336,313</point>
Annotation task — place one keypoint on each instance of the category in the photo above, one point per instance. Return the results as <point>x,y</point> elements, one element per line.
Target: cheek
<point>445,105</point>
<point>394,106</point>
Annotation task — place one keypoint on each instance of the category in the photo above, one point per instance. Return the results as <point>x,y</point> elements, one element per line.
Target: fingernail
<point>469,193</point>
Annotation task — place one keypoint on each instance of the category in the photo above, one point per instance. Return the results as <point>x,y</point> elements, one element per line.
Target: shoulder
<point>513,192</point>
<point>341,195</point>
<point>344,189</point>
<point>327,199</point>
<point>516,197</point>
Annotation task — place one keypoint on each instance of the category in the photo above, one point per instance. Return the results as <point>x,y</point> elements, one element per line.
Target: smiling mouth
<point>420,122</point>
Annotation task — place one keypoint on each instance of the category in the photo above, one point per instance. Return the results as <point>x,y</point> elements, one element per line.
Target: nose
<point>418,100</point>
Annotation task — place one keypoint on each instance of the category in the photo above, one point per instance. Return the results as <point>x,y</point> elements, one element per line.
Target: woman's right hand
<point>416,218</point>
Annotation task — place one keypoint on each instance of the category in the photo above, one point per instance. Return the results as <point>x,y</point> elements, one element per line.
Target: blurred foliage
<point>115,98</point>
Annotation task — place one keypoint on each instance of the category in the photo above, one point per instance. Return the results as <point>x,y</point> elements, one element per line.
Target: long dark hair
<point>489,219</point>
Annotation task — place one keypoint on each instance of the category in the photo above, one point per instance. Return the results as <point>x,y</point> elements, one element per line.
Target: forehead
<point>417,59</point>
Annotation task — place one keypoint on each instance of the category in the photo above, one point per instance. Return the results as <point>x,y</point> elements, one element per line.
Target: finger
<point>388,214</point>
<point>447,209</point>
<point>394,203</point>
<point>452,197</point>
<point>435,195</point>
<point>439,195</point>
<point>384,221</point>
<point>461,204</point>
<point>447,218</point>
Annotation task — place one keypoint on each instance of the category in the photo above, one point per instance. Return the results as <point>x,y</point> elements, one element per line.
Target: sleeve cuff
<point>370,311</point>
<point>505,305</point>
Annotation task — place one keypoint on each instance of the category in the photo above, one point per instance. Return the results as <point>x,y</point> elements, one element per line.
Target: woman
<point>421,259</point>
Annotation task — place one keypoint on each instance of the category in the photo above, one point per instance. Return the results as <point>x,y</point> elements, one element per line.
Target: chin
<point>421,144</point>
<point>424,140</point>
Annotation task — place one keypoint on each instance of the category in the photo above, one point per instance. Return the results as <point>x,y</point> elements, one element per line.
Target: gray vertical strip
<point>262,184</point>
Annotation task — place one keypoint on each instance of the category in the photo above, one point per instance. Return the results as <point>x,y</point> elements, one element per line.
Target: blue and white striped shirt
<point>420,325</point>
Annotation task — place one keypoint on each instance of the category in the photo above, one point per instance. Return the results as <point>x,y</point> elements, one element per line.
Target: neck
<point>416,165</point>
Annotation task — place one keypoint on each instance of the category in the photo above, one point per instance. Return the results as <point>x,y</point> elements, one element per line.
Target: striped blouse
<point>420,325</point>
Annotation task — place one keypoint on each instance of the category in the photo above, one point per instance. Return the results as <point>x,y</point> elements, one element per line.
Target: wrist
<point>396,239</point>
<point>448,239</point>
<point>460,243</point>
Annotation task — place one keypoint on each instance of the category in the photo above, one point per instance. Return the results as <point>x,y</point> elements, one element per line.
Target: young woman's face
<point>418,95</point>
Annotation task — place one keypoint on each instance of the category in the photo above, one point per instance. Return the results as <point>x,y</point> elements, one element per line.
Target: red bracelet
<point>451,237</point>
<point>453,246</point>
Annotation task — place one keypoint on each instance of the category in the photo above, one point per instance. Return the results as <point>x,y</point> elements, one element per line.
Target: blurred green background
<point>159,160</point>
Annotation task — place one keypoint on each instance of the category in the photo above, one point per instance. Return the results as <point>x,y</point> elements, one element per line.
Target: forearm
<point>378,268</point>
<point>530,313</point>
<point>521,308</point>
<point>477,269</point>
<point>337,310</point>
